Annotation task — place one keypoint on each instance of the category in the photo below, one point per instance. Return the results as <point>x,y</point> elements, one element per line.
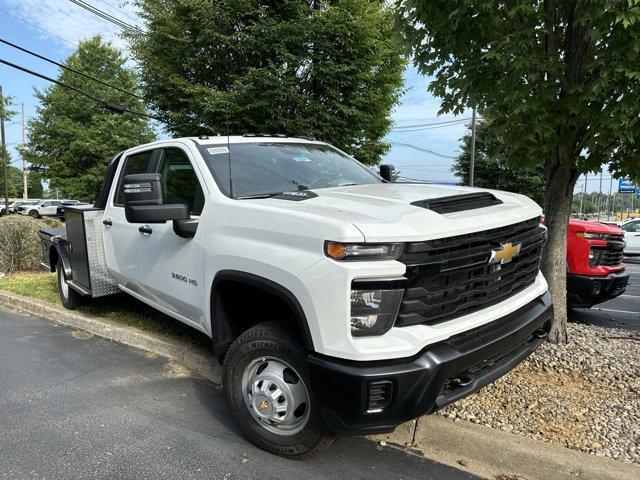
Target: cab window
<point>181,184</point>
<point>633,227</point>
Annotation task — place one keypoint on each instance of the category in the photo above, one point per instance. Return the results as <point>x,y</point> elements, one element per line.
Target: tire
<point>261,354</point>
<point>68,296</point>
<point>34,214</point>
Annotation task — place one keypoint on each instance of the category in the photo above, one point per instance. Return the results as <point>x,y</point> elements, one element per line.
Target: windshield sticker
<point>302,159</point>
<point>218,150</point>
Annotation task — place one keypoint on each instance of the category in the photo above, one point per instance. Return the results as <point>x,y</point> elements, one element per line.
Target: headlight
<point>591,236</point>
<point>373,312</point>
<point>362,251</point>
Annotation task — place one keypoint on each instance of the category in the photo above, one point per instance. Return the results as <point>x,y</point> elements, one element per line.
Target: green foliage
<point>561,79</point>
<point>14,175</point>
<point>493,171</point>
<point>329,69</point>
<point>72,137</point>
<point>15,184</point>
<point>34,185</point>
<point>5,108</point>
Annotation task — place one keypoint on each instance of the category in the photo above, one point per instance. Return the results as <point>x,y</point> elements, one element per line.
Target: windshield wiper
<point>259,195</point>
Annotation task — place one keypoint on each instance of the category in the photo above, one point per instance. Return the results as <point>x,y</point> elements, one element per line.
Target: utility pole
<point>25,194</point>
<point>472,164</point>
<point>600,196</point>
<point>4,158</point>
<point>607,206</point>
<point>581,199</point>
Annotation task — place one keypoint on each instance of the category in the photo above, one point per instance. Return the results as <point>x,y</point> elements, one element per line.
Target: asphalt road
<point>621,312</point>
<point>78,407</point>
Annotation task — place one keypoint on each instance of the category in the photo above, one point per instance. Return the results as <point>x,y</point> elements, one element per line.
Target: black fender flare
<point>57,251</point>
<point>269,286</point>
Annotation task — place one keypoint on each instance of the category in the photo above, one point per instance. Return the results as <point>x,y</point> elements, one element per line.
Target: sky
<point>53,28</point>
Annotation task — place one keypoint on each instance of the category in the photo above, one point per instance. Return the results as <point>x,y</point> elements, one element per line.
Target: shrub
<point>19,243</point>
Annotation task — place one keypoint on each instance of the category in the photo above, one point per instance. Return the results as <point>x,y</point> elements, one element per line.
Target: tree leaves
<point>332,70</point>
<point>72,137</point>
<point>567,79</point>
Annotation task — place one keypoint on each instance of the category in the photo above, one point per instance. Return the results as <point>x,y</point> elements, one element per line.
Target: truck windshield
<point>265,169</point>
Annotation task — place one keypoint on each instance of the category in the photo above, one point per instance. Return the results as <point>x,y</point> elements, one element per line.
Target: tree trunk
<point>561,179</point>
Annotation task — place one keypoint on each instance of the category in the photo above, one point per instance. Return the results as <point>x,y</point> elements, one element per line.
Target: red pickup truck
<point>595,272</point>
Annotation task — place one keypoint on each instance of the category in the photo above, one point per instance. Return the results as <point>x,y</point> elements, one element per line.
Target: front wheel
<point>267,390</point>
<point>68,296</point>
<point>34,214</point>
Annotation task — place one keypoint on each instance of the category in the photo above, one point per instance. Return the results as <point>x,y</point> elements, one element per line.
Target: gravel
<point>585,395</point>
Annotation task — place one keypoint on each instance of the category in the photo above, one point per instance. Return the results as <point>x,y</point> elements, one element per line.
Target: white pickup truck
<point>337,302</point>
<point>40,209</point>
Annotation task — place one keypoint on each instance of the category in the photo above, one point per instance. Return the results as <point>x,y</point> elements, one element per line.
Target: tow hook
<point>540,333</point>
<point>461,381</point>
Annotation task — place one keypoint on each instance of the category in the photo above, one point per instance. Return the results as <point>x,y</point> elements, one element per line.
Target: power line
<point>432,124</point>
<point>428,120</point>
<point>415,147</point>
<point>408,130</point>
<point>120,10</point>
<point>61,65</point>
<point>115,107</point>
<point>38,28</point>
<point>106,16</point>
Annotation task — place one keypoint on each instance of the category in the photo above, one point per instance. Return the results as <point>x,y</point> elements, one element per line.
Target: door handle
<point>145,229</point>
<point>107,222</point>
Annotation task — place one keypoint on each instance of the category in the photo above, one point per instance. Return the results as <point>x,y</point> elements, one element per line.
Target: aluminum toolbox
<point>85,249</point>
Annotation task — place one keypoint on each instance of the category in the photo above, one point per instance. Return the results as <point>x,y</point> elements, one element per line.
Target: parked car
<point>631,231</point>
<point>337,302</point>
<point>13,207</point>
<point>40,209</point>
<point>595,272</point>
<point>67,203</point>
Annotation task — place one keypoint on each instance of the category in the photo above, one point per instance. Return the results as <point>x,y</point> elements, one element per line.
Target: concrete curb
<point>480,450</point>
<point>199,360</point>
<point>492,453</point>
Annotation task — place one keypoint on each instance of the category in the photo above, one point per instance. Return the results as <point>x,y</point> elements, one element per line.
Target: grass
<point>118,308</point>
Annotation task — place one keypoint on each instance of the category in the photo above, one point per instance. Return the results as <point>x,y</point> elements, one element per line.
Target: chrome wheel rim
<point>64,286</point>
<point>275,395</point>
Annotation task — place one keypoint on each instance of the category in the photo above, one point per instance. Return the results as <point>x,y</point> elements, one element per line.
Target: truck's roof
<point>223,139</point>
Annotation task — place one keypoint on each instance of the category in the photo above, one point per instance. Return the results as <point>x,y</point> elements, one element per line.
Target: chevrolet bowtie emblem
<point>505,253</point>
<point>263,405</point>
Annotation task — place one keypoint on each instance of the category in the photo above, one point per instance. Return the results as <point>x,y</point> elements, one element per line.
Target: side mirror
<point>144,200</point>
<point>386,172</point>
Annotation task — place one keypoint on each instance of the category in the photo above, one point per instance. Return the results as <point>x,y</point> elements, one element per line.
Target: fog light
<point>595,289</point>
<point>373,312</point>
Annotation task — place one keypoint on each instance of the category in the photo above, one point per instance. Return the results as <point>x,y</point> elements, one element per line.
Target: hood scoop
<point>459,203</point>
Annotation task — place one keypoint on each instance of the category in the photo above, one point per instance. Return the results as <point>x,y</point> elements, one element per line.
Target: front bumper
<point>586,291</point>
<point>440,374</point>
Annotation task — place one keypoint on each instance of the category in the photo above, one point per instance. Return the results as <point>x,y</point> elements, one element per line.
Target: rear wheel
<point>68,296</point>
<point>267,390</point>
